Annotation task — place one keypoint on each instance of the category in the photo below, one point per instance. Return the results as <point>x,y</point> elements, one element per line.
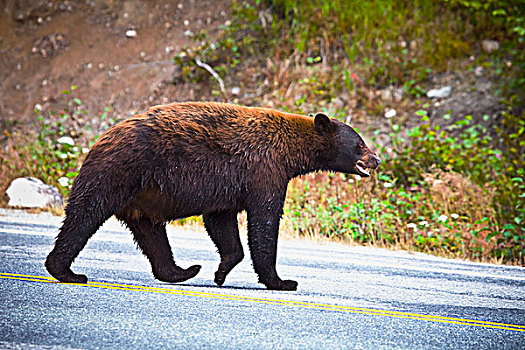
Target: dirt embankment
<point>118,54</point>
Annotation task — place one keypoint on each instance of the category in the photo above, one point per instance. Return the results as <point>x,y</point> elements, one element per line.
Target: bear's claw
<point>220,276</point>
<point>178,275</point>
<point>62,274</point>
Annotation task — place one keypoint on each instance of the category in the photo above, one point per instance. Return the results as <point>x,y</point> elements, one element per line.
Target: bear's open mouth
<point>361,168</point>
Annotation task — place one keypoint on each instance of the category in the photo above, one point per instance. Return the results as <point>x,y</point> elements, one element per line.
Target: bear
<point>202,158</point>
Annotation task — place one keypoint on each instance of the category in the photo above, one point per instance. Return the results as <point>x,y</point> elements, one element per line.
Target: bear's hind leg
<point>152,240</point>
<point>224,232</point>
<point>77,228</point>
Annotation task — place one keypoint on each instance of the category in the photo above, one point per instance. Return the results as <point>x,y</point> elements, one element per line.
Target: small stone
<point>179,6</point>
<point>18,66</point>
<point>89,66</point>
<point>444,92</point>
<point>34,50</point>
<point>131,33</point>
<point>186,22</point>
<point>478,71</point>
<point>236,90</point>
<point>390,113</point>
<point>398,94</point>
<point>386,94</point>
<point>44,82</point>
<point>66,140</point>
<point>228,23</point>
<point>142,54</point>
<point>101,66</point>
<point>39,20</point>
<point>167,25</point>
<point>63,181</point>
<point>38,107</point>
<point>489,46</point>
<point>116,68</point>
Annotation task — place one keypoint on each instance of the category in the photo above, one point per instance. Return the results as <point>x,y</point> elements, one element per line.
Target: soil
<point>48,46</point>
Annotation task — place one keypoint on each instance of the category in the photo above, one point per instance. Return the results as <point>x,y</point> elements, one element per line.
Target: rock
<point>444,92</point>
<point>390,113</point>
<point>29,192</point>
<point>50,45</point>
<point>386,94</point>
<point>66,140</point>
<point>398,94</point>
<point>474,98</point>
<point>489,46</point>
<point>131,33</point>
<point>236,90</point>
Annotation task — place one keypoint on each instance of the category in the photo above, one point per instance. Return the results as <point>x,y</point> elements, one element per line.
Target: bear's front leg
<point>263,231</point>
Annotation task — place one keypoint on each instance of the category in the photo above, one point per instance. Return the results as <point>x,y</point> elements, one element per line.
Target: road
<point>348,297</point>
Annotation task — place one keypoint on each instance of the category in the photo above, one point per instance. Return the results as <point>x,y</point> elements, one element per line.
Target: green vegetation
<point>456,190</point>
<point>55,152</point>
<point>454,187</point>
<point>456,196</point>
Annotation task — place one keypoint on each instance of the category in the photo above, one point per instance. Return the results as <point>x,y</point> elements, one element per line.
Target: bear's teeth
<point>362,170</point>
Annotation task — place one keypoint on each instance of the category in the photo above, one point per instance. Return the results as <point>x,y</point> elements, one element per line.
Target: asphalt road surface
<point>348,297</point>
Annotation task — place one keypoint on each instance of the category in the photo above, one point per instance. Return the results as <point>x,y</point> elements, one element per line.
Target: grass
<point>456,191</point>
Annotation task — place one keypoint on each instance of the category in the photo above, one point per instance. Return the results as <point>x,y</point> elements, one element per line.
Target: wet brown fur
<point>206,158</point>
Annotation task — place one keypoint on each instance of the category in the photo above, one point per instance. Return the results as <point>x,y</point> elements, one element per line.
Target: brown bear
<point>202,158</point>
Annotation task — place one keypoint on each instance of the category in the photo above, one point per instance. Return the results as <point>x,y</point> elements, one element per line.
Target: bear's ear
<point>322,123</point>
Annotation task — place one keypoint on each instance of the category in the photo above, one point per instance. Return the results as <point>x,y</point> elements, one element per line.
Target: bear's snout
<point>374,161</point>
<point>371,160</point>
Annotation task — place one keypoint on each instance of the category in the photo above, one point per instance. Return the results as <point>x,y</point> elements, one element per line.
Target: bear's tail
<point>90,204</point>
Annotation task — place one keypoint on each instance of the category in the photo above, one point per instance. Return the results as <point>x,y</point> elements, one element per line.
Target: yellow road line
<point>308,305</point>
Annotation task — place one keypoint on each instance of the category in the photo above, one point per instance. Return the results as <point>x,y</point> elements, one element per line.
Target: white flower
<point>443,218</point>
<point>387,184</point>
<point>63,181</point>
<point>424,223</point>
<point>67,140</point>
<point>412,226</point>
<point>63,155</point>
<point>454,216</point>
<point>85,150</point>
<point>75,149</point>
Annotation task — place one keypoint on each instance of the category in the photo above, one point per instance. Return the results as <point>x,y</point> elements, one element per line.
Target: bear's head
<point>349,152</point>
